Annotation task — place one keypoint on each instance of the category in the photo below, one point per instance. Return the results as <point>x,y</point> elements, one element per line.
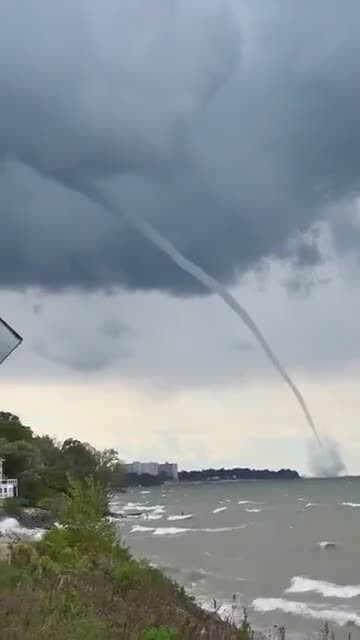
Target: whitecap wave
<point>299,584</point>
<point>221,529</point>
<point>10,527</point>
<point>253,510</point>
<point>169,531</point>
<point>183,516</point>
<point>219,510</point>
<point>139,506</point>
<point>340,617</point>
<point>133,505</point>
<point>154,516</point>
<point>351,504</point>
<point>138,528</point>
<point>145,492</point>
<point>247,502</point>
<point>162,531</point>
<point>327,544</point>
<point>311,504</point>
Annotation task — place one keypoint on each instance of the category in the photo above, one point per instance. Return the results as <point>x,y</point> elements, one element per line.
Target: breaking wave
<point>10,528</point>
<point>351,504</point>
<point>140,507</point>
<point>219,510</point>
<point>183,516</point>
<point>140,528</point>
<point>221,529</point>
<point>169,531</point>
<point>155,515</point>
<point>339,616</point>
<point>327,544</point>
<point>300,584</point>
<point>253,510</point>
<point>162,531</point>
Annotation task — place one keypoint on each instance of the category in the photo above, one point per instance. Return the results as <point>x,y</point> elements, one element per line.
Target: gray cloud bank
<point>232,126</point>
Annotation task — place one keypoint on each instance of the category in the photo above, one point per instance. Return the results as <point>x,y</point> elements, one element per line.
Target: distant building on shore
<point>151,468</point>
<point>167,469</point>
<point>8,486</point>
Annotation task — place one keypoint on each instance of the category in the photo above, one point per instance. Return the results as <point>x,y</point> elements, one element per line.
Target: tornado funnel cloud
<point>212,285</point>
<point>326,461</point>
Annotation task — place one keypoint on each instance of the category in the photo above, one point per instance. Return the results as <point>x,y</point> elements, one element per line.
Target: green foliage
<point>31,487</point>
<point>10,575</point>
<point>245,630</point>
<point>79,583</point>
<point>44,467</point>
<point>18,455</point>
<point>11,428</point>
<point>12,506</point>
<point>54,503</point>
<point>161,633</point>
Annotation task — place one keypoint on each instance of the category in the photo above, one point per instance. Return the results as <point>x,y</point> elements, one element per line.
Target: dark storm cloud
<point>234,127</point>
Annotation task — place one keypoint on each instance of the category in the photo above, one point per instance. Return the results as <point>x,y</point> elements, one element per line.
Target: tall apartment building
<point>169,469</point>
<point>152,468</point>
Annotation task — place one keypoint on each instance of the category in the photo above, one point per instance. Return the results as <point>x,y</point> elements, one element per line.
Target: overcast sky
<point>233,126</point>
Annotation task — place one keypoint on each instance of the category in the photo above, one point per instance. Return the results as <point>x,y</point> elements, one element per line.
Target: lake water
<point>262,545</point>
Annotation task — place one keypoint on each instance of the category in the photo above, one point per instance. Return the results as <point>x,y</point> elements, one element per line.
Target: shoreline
<point>229,612</point>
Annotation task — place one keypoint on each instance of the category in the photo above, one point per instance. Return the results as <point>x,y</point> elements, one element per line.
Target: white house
<point>8,486</point>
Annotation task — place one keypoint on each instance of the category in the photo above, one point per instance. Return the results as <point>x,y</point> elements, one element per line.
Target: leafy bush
<point>245,630</point>
<point>54,503</point>
<point>12,506</point>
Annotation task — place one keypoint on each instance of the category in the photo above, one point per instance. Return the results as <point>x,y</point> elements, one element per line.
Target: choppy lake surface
<point>289,551</point>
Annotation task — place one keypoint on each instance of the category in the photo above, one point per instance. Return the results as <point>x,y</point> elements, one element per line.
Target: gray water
<point>248,554</point>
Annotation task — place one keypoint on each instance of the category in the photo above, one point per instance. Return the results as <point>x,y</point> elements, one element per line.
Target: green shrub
<point>10,575</point>
<point>245,630</point>
<point>12,506</point>
<point>159,633</point>
<point>55,504</point>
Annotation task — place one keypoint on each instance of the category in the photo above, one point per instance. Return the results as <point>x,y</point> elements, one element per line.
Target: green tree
<point>45,467</point>
<point>80,458</point>
<point>110,471</point>
<point>31,486</point>
<point>19,456</point>
<point>12,429</point>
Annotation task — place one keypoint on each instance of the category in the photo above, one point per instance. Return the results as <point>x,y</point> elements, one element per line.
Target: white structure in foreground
<point>8,486</point>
